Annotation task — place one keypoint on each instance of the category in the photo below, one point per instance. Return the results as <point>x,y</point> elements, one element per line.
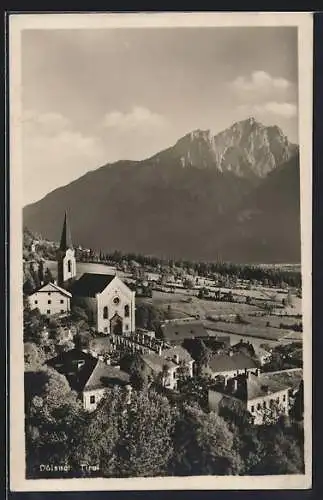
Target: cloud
<point>137,119</point>
<point>260,81</point>
<point>283,109</point>
<point>54,153</point>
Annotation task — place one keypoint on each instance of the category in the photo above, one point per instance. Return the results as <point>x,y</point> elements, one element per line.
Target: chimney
<point>176,359</point>
<point>80,363</point>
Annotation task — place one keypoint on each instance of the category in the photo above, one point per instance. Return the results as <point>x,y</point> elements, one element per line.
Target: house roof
<point>157,363</point>
<point>91,372</point>
<point>90,284</point>
<point>53,287</point>
<point>177,332</point>
<point>291,378</point>
<point>251,387</point>
<point>263,385</point>
<point>177,350</point>
<point>237,361</point>
<point>104,375</point>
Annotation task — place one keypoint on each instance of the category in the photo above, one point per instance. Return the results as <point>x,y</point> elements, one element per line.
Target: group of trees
<point>146,436</point>
<point>285,356</point>
<point>267,275</point>
<point>36,274</point>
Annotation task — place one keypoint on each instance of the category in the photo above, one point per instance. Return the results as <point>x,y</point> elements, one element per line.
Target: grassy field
<point>192,306</point>
<point>266,333</point>
<point>181,305</point>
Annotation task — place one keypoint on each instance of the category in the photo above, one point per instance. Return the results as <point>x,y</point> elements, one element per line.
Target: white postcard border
<point>19,22</point>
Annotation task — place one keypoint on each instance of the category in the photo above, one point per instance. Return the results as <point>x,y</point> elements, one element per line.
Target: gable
<point>117,286</point>
<point>51,288</point>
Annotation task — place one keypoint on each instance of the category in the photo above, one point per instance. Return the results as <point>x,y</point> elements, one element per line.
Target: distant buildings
<point>175,332</point>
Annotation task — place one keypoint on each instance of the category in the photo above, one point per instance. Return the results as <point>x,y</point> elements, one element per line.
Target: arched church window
<point>126,311</point>
<point>69,266</point>
<point>105,312</point>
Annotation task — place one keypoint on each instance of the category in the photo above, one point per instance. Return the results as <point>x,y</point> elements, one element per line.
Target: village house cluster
<point>234,375</point>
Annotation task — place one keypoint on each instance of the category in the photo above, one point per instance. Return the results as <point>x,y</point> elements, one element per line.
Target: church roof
<point>66,238</point>
<point>90,284</point>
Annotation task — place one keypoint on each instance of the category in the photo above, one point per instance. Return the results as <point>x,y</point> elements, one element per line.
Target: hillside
<point>233,196</point>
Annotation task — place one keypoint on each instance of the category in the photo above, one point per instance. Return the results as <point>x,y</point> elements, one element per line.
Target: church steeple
<point>66,238</point>
<point>66,262</point>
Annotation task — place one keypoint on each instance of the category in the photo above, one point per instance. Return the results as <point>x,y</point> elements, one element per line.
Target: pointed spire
<point>66,238</point>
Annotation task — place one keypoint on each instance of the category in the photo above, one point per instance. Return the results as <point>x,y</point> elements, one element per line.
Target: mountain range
<point>234,196</point>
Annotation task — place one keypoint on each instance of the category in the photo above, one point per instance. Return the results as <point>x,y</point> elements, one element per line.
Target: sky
<point>95,96</point>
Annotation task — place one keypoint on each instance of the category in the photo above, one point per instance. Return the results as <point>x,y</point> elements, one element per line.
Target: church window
<point>126,311</point>
<point>36,302</point>
<point>49,293</point>
<point>284,397</point>
<point>62,301</point>
<point>105,312</point>
<point>49,301</point>
<point>265,404</point>
<point>48,311</point>
<point>69,266</point>
<point>116,300</point>
<point>92,400</point>
<point>126,327</point>
<point>62,311</point>
<point>258,406</point>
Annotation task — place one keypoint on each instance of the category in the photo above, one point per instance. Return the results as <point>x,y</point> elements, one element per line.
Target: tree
<point>204,445</point>
<point>33,356</point>
<point>48,277</point>
<point>128,440</point>
<point>145,448</point>
<point>54,419</point>
<point>82,340</point>
<point>41,274</point>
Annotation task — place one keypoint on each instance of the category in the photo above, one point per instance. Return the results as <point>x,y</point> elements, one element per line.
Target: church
<point>109,301</point>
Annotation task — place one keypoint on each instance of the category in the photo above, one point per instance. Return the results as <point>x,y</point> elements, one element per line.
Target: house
<point>261,396</point>
<point>253,350</point>
<point>175,332</point>
<point>50,299</point>
<point>110,303</point>
<point>166,367</point>
<point>160,370</point>
<point>180,357</point>
<point>88,375</point>
<point>228,365</point>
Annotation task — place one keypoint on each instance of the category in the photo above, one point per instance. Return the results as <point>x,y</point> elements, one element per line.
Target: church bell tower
<point>66,262</point>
